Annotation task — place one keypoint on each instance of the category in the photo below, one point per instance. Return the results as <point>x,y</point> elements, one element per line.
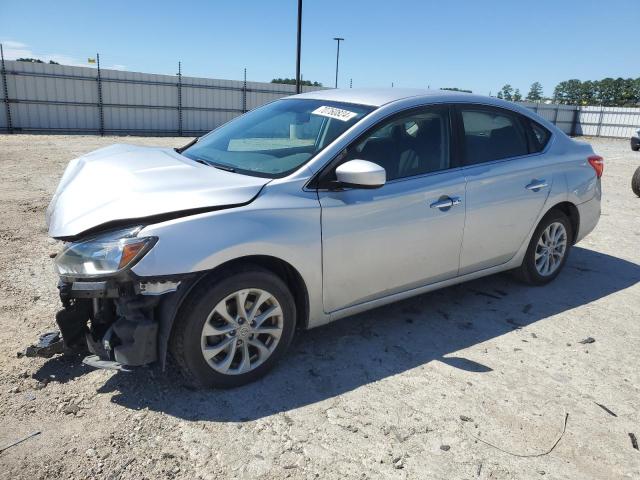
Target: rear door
<point>508,183</point>
<point>380,242</point>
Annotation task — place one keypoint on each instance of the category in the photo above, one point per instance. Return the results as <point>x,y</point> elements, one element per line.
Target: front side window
<point>492,135</point>
<point>278,138</point>
<point>408,145</point>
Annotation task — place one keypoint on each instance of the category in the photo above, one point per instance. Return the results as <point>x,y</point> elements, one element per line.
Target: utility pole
<point>179,99</point>
<point>338,39</point>
<point>100,104</point>
<point>298,87</point>
<point>6,92</point>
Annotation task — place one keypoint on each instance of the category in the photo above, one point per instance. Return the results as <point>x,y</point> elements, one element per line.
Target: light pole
<point>298,87</point>
<point>338,39</point>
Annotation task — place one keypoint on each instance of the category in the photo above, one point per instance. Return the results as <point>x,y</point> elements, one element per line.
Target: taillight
<point>597,162</point>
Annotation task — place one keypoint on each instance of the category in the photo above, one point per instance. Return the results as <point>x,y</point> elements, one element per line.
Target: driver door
<point>384,241</point>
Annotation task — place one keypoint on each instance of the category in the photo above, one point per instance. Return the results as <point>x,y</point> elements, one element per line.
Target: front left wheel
<point>233,330</point>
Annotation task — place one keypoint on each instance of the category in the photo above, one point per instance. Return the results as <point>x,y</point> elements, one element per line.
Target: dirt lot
<point>412,390</point>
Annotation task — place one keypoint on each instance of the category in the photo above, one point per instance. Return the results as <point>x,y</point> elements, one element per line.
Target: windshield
<point>277,138</point>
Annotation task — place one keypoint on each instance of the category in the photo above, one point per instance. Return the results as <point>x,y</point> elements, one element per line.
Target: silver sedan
<point>303,211</point>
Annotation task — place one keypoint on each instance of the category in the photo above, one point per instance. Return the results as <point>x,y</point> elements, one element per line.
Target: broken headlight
<point>103,255</point>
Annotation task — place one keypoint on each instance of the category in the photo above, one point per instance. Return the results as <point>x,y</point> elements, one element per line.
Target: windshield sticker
<point>333,112</point>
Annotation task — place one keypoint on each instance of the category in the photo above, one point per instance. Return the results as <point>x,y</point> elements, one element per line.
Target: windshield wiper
<point>226,168</point>
<point>183,148</point>
<point>219,166</point>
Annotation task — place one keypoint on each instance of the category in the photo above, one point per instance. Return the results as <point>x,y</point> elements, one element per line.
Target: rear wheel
<point>635,182</point>
<point>548,249</point>
<point>232,331</point>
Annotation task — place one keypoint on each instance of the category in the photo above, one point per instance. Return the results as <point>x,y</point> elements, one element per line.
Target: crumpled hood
<point>126,182</point>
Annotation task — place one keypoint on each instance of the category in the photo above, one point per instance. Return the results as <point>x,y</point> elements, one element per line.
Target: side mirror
<point>361,174</point>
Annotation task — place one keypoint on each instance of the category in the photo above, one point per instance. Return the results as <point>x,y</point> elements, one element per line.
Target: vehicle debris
<point>27,437</point>
<point>634,440</point>
<point>587,340</point>
<point>528,455</point>
<point>96,362</point>
<point>605,409</point>
<point>49,344</point>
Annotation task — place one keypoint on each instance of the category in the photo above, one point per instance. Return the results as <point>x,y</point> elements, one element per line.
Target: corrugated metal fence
<point>617,122</point>
<point>43,98</point>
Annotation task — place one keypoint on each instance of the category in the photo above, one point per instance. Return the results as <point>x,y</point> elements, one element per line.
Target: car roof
<point>377,97</point>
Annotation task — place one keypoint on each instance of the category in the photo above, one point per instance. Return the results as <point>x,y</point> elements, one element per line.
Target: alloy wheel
<point>242,331</point>
<point>551,249</point>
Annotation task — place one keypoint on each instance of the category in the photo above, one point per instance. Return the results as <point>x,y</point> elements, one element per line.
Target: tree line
<point>292,81</point>
<point>35,60</point>
<point>609,92</point>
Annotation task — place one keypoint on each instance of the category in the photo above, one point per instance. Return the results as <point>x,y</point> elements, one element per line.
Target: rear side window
<point>492,135</point>
<point>539,137</point>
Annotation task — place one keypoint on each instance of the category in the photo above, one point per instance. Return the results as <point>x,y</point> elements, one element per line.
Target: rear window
<point>492,135</point>
<point>539,137</point>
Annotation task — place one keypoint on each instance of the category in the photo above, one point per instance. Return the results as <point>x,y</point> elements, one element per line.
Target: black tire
<point>185,342</point>
<point>635,148</point>
<point>527,272</point>
<point>635,182</point>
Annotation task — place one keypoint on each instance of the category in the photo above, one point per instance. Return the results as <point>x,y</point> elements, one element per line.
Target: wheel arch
<point>571,211</point>
<point>171,307</point>
<point>283,269</point>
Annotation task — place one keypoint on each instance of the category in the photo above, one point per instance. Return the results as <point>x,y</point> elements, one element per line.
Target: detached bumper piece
<point>96,362</point>
<point>49,344</point>
<point>115,321</point>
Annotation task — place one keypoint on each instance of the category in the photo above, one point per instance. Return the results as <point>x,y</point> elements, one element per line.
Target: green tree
<point>35,60</point>
<point>607,92</point>
<point>535,92</point>
<point>587,93</point>
<point>506,92</point>
<point>517,96</point>
<point>456,89</point>
<point>292,81</point>
<point>568,92</point>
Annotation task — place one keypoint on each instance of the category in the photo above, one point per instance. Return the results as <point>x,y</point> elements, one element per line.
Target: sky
<point>475,45</point>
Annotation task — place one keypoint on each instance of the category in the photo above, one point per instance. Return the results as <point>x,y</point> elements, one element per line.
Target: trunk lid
<point>126,182</point>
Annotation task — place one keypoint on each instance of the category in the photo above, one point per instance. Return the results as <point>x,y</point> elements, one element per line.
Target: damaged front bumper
<point>123,321</point>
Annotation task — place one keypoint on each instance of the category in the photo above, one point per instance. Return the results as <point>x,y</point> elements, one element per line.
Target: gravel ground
<point>419,389</point>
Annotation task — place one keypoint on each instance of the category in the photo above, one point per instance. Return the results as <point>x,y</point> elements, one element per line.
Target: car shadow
<point>345,355</point>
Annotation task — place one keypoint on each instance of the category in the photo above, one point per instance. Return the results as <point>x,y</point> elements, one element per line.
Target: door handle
<point>446,202</point>
<point>536,185</point>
